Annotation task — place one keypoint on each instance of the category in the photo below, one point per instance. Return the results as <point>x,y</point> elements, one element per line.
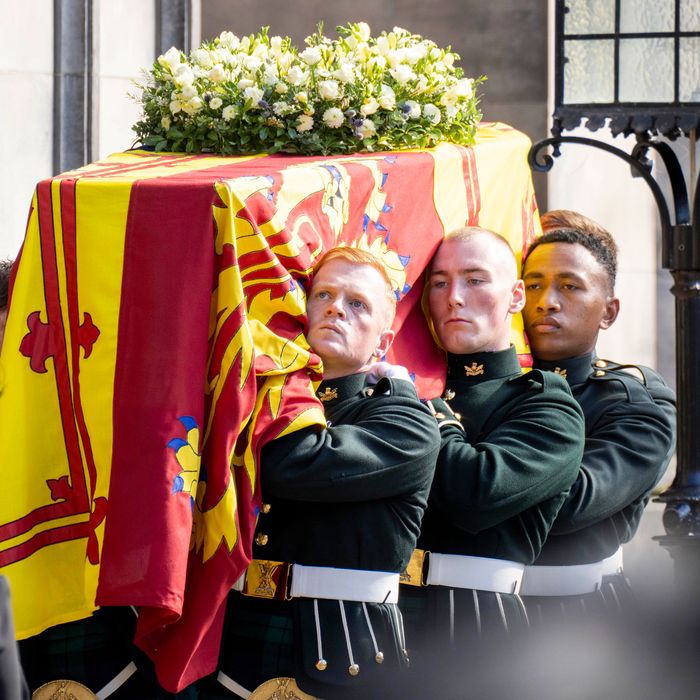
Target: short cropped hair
<point>5,270</point>
<point>563,226</point>
<point>467,233</point>
<point>357,256</point>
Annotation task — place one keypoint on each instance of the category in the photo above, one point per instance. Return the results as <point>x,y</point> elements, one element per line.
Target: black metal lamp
<point>634,65</point>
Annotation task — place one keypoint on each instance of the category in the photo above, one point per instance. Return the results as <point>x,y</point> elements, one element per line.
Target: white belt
<point>340,584</point>
<point>479,573</point>
<point>575,579</point>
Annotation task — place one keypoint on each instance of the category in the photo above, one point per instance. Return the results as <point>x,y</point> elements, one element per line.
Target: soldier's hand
<point>379,370</point>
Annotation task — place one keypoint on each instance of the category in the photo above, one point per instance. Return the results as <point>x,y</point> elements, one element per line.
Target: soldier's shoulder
<point>639,382</point>
<point>540,380</point>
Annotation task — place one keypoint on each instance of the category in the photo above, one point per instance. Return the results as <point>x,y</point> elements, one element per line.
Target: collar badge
<point>474,370</point>
<point>328,394</point>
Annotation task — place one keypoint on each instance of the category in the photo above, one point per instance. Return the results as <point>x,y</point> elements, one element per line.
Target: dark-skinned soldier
<point>342,512</point>
<point>511,444</point>
<point>569,276</point>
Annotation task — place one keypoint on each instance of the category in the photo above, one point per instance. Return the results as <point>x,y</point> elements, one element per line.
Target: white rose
<point>311,55</point>
<point>228,113</point>
<point>280,108</point>
<point>364,30</point>
<point>261,52</point>
<point>280,88</point>
<point>333,117</point>
<point>175,106</point>
<point>411,109</point>
<point>402,74</point>
<point>165,122</point>
<point>188,92</point>
<point>465,87</point>
<point>217,73</point>
<point>432,113</point>
<point>369,107</point>
<point>412,55</point>
<point>276,45</point>
<point>252,63</point>
<point>183,75</point>
<point>328,89</point>
<point>215,102</point>
<point>253,94</point>
<point>367,129</point>
<point>301,97</point>
<point>387,97</point>
<point>304,123</point>
<point>170,59</point>
<point>229,40</point>
<point>202,57</point>
<point>296,76</point>
<point>449,98</point>
<point>270,76</point>
<point>345,74</point>
<point>245,83</point>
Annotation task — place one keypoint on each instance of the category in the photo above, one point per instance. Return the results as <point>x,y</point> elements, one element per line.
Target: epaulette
<point>632,377</point>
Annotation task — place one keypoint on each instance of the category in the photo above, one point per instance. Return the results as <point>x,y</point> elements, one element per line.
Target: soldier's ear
<point>517,297</point>
<point>385,340</point>
<point>612,309</point>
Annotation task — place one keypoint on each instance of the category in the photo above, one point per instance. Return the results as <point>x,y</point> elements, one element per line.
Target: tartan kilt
<point>93,651</point>
<point>266,639</point>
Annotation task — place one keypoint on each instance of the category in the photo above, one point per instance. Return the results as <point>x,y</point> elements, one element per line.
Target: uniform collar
<point>574,369</point>
<point>482,366</point>
<point>340,388</point>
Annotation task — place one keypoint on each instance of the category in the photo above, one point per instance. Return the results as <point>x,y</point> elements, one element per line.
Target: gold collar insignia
<point>328,394</point>
<point>561,372</point>
<point>474,370</point>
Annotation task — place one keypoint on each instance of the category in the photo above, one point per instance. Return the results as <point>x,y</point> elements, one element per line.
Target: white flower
<point>280,108</point>
<point>202,57</point>
<point>253,94</point>
<point>449,60</point>
<point>311,55</point>
<point>369,107</point>
<point>328,89</point>
<point>217,73</point>
<point>276,45</point>
<point>165,122</point>
<point>245,83</point>
<point>383,45</point>
<point>387,97</point>
<point>215,102</point>
<point>449,98</point>
<point>364,31</point>
<point>366,129</point>
<point>229,40</point>
<point>270,76</point>
<point>432,113</point>
<point>345,74</point>
<point>304,123</point>
<point>413,54</point>
<point>228,113</point>
<point>260,51</point>
<point>333,118</point>
<point>296,76</point>
<point>188,92</point>
<point>411,109</point>
<point>175,106</point>
<point>465,87</point>
<point>402,74</point>
<point>183,75</point>
<point>170,59</point>
<point>192,106</point>
<point>421,85</point>
<point>280,88</point>
<point>451,111</point>
<point>301,97</point>
<point>252,63</point>
<point>378,62</point>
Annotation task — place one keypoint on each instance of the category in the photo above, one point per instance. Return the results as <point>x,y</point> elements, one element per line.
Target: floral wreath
<point>259,94</point>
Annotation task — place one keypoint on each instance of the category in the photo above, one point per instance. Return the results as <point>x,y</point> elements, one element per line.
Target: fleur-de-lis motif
<point>328,394</point>
<point>474,370</point>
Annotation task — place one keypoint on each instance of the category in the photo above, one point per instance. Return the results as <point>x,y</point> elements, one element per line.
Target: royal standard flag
<point>155,341</point>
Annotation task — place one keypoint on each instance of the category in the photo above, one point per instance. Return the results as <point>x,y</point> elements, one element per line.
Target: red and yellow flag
<point>155,341</point>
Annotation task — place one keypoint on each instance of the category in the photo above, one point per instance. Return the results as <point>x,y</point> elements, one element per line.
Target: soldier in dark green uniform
<point>342,512</point>
<point>569,278</point>
<point>511,446</point>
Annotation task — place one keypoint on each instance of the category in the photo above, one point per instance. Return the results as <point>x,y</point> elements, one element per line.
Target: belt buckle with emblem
<point>63,690</point>
<point>280,689</point>
<point>267,579</point>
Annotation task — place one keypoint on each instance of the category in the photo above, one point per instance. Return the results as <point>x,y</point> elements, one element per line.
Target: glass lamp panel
<point>690,16</point>
<point>590,17</point>
<point>646,70</point>
<point>589,71</point>
<point>689,88</point>
<point>647,16</point>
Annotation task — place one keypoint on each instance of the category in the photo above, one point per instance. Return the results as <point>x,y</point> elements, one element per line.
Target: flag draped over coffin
<point>155,342</point>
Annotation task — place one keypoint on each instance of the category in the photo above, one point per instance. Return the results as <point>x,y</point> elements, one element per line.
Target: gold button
<point>265,508</point>
<point>353,670</point>
<point>601,363</point>
<point>321,664</point>
<point>599,373</point>
<point>261,539</point>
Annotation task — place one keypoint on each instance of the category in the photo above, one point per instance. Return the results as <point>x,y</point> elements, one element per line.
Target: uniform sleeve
<point>532,455</point>
<point>625,454</point>
<point>389,450</point>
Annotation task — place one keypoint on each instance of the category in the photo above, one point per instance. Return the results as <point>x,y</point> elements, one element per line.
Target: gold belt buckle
<point>63,690</point>
<point>267,579</point>
<point>280,689</point>
<point>414,572</point>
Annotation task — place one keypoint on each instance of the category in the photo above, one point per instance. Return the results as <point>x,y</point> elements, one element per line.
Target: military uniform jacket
<point>630,437</point>
<point>500,481</point>
<point>350,496</point>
